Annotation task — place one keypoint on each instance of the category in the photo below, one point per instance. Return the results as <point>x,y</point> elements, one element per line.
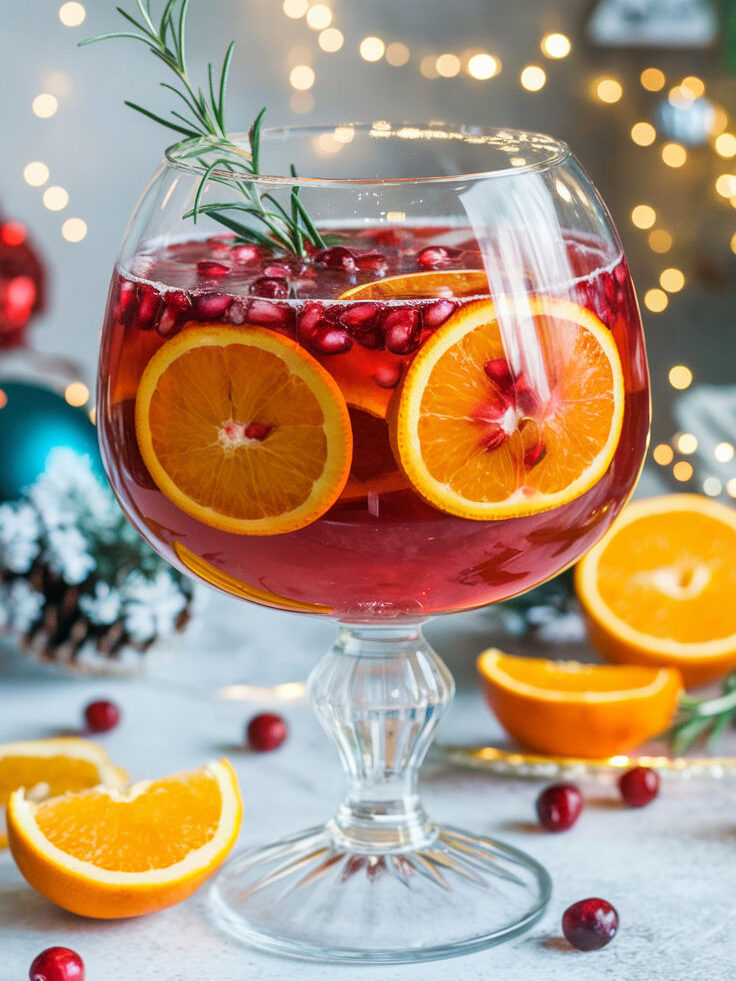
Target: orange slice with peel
<point>243,429</point>
<point>508,413</point>
<point>107,853</point>
<point>423,286</point>
<point>569,709</point>
<point>658,588</point>
<point>374,469</point>
<point>47,767</point>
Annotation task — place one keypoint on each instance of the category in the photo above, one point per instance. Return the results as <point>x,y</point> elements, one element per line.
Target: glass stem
<point>380,694</point>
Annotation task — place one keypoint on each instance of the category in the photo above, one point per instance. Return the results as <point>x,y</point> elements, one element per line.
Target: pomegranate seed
<point>280,269</point>
<point>375,262</point>
<point>246,255</point>
<point>534,455</point>
<point>389,236</point>
<point>266,732</point>
<point>273,287</point>
<point>336,257</point>
<point>388,376</point>
<point>310,316</point>
<point>237,313</point>
<point>149,306</point>
<point>402,330</point>
<point>437,257</point>
<point>57,964</point>
<point>219,247</point>
<point>326,339</point>
<point>590,924</point>
<point>436,314</point>
<point>101,716</point>
<point>169,324</point>
<point>608,287</point>
<point>211,270</point>
<point>257,430</point>
<point>178,300</point>
<point>360,316</point>
<point>126,300</point>
<point>621,273</point>
<point>212,306</point>
<point>559,806</point>
<point>267,314</point>
<point>639,786</point>
<point>499,372</point>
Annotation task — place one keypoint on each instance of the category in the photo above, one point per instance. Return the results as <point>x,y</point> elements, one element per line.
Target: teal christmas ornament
<point>33,421</point>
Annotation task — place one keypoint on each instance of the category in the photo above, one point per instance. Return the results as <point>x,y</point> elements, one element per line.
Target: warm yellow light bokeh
<point>331,40</point>
<point>724,452</point>
<point>301,77</point>
<point>448,65</point>
<point>682,471</point>
<point>680,377</point>
<point>725,145</point>
<point>36,173</point>
<point>74,229</point>
<point>663,454</point>
<point>652,79</point>
<point>643,216</point>
<point>695,85</point>
<point>712,486</point>
<point>397,54</point>
<point>643,134</point>
<point>674,154</point>
<point>319,16</point>
<point>533,78</point>
<point>726,185</point>
<point>483,66</point>
<point>687,443</point>
<point>672,279</point>
<point>55,198</point>
<point>660,241</point>
<point>72,14</point>
<point>45,105</point>
<point>76,393</point>
<point>295,8</point>
<point>609,90</point>
<point>656,300</point>
<point>372,49</point>
<point>556,45</point>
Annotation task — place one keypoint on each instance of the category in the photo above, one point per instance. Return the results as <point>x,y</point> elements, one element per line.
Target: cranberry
<point>150,303</point>
<point>402,330</point>
<point>559,806</point>
<point>375,262</point>
<point>267,314</point>
<point>207,269</point>
<point>246,254</point>
<point>57,964</point>
<point>336,257</point>
<point>212,306</point>
<point>437,257</point>
<point>266,732</point>
<point>436,314</point>
<point>101,716</point>
<point>590,924</point>
<point>273,287</point>
<point>639,786</point>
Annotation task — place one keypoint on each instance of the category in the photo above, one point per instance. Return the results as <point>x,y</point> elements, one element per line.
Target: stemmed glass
<point>466,361</point>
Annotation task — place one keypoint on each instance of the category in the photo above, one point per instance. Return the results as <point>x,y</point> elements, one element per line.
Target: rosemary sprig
<point>203,119</point>
<point>698,718</point>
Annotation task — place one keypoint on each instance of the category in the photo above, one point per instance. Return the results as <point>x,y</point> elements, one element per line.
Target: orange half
<point>512,412</point>
<point>243,430</point>
<point>659,588</point>
<point>447,283</point>
<point>108,853</point>
<point>569,709</point>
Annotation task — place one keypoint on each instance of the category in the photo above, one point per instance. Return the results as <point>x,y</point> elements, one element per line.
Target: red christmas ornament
<point>22,283</point>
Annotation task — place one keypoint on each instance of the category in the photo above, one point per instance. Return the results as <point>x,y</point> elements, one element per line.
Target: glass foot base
<point>305,897</point>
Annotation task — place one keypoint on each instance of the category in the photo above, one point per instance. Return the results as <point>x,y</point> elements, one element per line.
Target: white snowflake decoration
<point>20,531</point>
<point>24,605</point>
<point>66,553</point>
<point>103,606</point>
<point>151,605</point>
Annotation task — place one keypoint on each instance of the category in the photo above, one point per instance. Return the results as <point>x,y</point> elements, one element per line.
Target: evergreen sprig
<point>202,120</point>
<point>703,718</point>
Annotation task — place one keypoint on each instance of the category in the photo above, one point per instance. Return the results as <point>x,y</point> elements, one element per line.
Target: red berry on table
<point>559,806</point>
<point>639,786</point>
<point>266,732</point>
<point>101,716</point>
<point>57,964</point>
<point>590,924</point>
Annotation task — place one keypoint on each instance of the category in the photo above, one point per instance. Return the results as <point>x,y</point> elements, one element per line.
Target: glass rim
<point>550,151</point>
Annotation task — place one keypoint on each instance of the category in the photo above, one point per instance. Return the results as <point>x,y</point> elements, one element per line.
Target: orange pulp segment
<point>243,430</point>
<point>509,412</point>
<point>658,588</point>
<point>107,853</point>
<point>569,709</point>
<point>47,767</point>
<point>374,469</point>
<point>423,285</point>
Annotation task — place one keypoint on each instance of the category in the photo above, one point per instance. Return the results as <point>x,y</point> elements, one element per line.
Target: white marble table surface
<point>670,869</point>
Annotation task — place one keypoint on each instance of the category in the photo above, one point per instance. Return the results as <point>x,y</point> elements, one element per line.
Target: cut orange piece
<point>355,371</point>
<point>47,767</point>
<point>243,430</point>
<point>569,709</point>
<point>508,414</point>
<point>658,588</point>
<point>108,853</point>
<point>374,469</point>
<point>423,285</point>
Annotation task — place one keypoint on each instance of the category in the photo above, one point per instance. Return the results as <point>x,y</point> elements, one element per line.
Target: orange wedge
<point>422,286</point>
<point>569,709</point>
<point>243,430</point>
<point>47,767</point>
<point>510,414</point>
<point>374,469</point>
<point>108,853</point>
<point>659,587</point>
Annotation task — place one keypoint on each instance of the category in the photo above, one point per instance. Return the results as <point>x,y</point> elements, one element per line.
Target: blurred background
<point>644,91</point>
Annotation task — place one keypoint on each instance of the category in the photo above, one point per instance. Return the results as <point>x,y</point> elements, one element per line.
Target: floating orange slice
<point>108,853</point>
<point>374,469</point>
<point>569,709</point>
<point>47,767</point>
<point>243,430</point>
<point>659,587</point>
<point>422,286</point>
<point>499,417</point>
